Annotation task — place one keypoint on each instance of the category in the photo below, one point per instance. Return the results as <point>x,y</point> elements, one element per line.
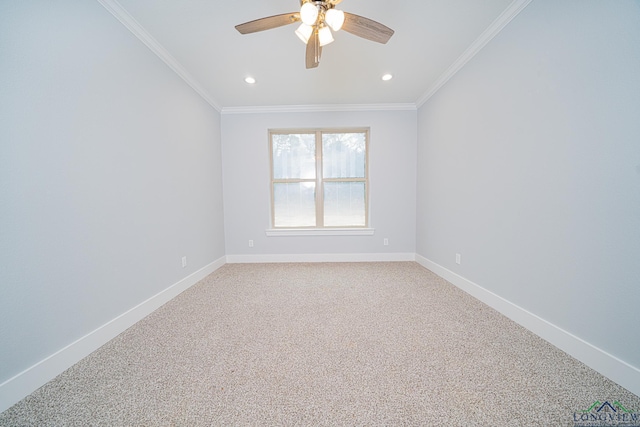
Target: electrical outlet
<point>184,261</point>
<point>458,258</point>
<point>250,243</point>
<point>386,241</point>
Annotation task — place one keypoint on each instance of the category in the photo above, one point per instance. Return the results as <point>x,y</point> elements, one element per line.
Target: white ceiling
<point>430,38</point>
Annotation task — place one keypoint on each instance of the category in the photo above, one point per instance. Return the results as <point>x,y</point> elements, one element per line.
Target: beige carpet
<point>322,344</point>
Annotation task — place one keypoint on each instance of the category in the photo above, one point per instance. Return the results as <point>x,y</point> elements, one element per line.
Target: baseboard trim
<point>617,370</point>
<point>26,382</point>
<point>276,258</point>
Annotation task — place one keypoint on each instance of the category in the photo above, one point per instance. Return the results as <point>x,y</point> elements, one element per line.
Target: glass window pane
<point>344,204</point>
<point>294,156</point>
<point>294,204</point>
<point>343,155</point>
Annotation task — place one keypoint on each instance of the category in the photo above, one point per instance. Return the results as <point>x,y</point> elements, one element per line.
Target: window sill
<point>272,232</point>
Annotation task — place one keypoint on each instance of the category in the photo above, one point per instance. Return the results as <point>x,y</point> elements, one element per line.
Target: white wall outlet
<point>386,241</point>
<point>184,261</point>
<point>250,243</point>
<point>458,258</point>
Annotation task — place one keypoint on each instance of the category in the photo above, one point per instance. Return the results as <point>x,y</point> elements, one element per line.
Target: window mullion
<point>344,180</point>
<point>292,180</point>
<point>319,184</point>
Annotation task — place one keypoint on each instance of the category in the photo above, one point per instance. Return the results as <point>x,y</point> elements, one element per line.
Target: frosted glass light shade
<point>309,13</point>
<point>334,18</point>
<point>304,32</point>
<point>325,36</point>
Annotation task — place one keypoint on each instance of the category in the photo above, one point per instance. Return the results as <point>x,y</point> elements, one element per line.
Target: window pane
<point>294,204</point>
<point>343,155</point>
<point>294,156</point>
<point>344,204</point>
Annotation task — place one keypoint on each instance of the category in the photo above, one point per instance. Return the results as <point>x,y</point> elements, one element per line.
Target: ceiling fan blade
<point>268,23</point>
<point>366,28</point>
<point>314,50</point>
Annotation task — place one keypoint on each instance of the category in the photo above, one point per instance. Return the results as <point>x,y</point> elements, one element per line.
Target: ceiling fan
<point>318,18</point>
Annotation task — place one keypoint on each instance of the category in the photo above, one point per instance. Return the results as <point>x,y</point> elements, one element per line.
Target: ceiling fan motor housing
<point>322,5</point>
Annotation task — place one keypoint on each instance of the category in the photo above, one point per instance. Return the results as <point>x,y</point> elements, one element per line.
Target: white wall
<point>392,171</point>
<point>529,167</point>
<point>110,172</point>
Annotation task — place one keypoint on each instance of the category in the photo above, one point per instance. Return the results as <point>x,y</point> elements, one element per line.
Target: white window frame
<point>319,228</point>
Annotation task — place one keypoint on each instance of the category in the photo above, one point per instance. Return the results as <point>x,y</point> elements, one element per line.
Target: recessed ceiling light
<point>250,80</point>
<point>387,77</point>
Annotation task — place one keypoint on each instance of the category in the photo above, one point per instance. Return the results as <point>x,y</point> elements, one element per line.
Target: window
<point>319,178</point>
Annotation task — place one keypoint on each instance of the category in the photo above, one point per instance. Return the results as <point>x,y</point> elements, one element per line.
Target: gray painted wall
<point>529,167</point>
<point>109,174</point>
<point>392,173</point>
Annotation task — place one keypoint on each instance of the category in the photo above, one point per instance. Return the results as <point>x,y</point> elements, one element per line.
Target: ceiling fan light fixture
<point>334,18</point>
<point>324,36</point>
<point>304,32</point>
<point>309,13</point>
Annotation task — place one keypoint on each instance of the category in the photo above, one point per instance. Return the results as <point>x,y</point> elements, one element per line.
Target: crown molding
<point>138,30</point>
<point>320,108</point>
<point>493,30</point>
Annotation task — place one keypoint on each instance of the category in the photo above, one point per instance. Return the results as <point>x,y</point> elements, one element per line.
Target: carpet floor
<point>335,344</point>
